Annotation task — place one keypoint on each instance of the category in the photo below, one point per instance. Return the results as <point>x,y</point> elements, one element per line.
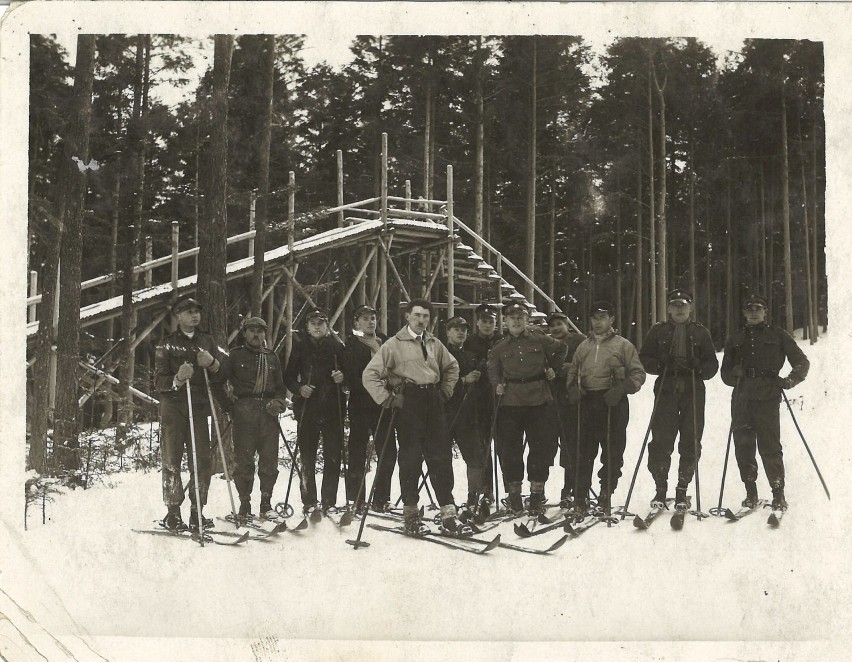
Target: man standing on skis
<point>364,414</point>
<point>567,413</point>
<point>754,355</point>
<point>313,376</point>
<point>260,397</point>
<point>681,352</point>
<point>182,357</point>
<point>480,343</point>
<point>604,370</point>
<point>414,373</point>
<point>461,409</point>
<point>521,365</point>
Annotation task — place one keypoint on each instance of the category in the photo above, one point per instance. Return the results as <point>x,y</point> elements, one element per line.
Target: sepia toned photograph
<point>362,291</point>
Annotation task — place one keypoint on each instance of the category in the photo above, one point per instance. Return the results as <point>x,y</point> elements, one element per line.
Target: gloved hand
<point>472,376</point>
<point>738,371</point>
<point>276,407</point>
<point>500,389</point>
<point>549,374</point>
<point>204,358</point>
<point>337,376</point>
<point>395,398</point>
<point>574,394</point>
<point>784,382</point>
<point>613,396</point>
<point>185,372</point>
<point>306,391</point>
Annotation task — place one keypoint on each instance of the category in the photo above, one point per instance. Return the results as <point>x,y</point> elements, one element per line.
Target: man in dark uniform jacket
<point>313,376</point>
<point>520,366</point>
<point>364,413</point>
<point>181,358</point>
<point>754,355</point>
<point>480,343</point>
<point>567,413</point>
<point>254,373</point>
<point>684,351</point>
<point>462,423</point>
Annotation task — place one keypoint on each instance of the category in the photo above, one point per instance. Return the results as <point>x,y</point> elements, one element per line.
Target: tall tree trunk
<point>479,147</point>
<point>427,140</point>
<point>693,281</point>
<point>551,255</point>
<point>212,256</point>
<point>814,230</point>
<point>729,258</point>
<point>266,58</point>
<point>809,325</point>
<point>785,199</point>
<point>764,281</point>
<point>640,258</point>
<point>661,164</point>
<point>618,263</point>
<point>652,236</point>
<point>531,175</point>
<point>71,251</point>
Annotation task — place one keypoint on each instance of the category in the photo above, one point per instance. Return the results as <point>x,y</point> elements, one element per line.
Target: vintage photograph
<point>367,294</point>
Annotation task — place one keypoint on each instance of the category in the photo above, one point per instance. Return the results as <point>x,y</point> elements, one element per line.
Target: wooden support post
<point>148,329</point>
<point>288,344</point>
<point>407,195</point>
<point>270,307</point>
<point>149,255</point>
<point>362,282</point>
<point>551,257</point>
<point>291,211</point>
<point>338,314</point>
<point>175,251</point>
<point>252,209</point>
<point>51,398</point>
<point>395,272</point>
<point>383,275</point>
<point>298,286</point>
<point>499,269</point>
<point>451,253</point>
<point>31,311</point>
<point>340,187</point>
<point>436,271</point>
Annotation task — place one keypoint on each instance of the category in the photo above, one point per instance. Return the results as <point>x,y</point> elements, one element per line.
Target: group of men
<point>532,392</point>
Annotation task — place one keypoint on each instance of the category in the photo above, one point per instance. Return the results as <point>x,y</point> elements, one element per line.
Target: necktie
<point>423,346</point>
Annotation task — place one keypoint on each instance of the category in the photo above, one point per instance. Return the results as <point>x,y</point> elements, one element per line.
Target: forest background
<point>605,173</point>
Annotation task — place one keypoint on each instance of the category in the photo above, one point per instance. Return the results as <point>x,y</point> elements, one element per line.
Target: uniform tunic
<point>526,408</point>
<point>256,379</point>
<point>761,350</point>
<point>679,395</point>
<point>176,349</point>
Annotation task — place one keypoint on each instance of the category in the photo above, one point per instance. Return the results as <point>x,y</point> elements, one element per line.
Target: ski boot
<point>751,495</point>
<point>206,522</point>
<point>680,499</point>
<point>173,521</point>
<point>483,511</point>
<point>604,504</point>
<point>514,503</point>
<point>566,500</point>
<point>451,525</point>
<point>381,506</point>
<point>468,508</point>
<point>536,502</point>
<point>411,523</point>
<point>245,514</point>
<point>312,512</point>
<point>778,500</point>
<point>659,500</point>
<point>266,510</point>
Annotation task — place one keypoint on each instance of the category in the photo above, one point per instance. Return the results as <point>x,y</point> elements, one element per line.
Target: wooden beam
<point>394,270</point>
<point>353,285</point>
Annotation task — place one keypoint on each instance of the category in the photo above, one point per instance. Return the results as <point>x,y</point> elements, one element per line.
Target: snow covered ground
<point>84,585</point>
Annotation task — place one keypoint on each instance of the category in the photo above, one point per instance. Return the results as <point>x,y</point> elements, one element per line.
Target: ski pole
<point>719,511</point>
<point>221,449</point>
<point>363,543</point>
<point>807,448</point>
<point>367,460</point>
<point>344,451</point>
<point>645,442</point>
<point>494,456</point>
<point>609,468</point>
<point>696,451</point>
<point>302,486</point>
<point>577,456</point>
<point>200,521</point>
<point>285,509</point>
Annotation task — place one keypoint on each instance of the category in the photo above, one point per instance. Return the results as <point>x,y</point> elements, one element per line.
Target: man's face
<point>366,324</point>
<point>602,322</point>
<point>255,336</point>
<point>558,328</point>
<point>679,312</point>
<point>317,327</point>
<point>457,335</point>
<point>189,318</point>
<point>486,326</point>
<point>754,313</point>
<point>418,319</point>
<point>517,323</point>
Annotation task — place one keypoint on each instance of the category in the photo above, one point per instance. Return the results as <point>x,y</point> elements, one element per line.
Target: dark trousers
<point>175,440</point>
<point>757,428</point>
<point>484,405</point>
<point>568,437</point>
<point>602,427</point>
<point>255,431</point>
<point>363,422</point>
<point>674,415</point>
<point>422,432</point>
<point>313,425</point>
<point>537,424</point>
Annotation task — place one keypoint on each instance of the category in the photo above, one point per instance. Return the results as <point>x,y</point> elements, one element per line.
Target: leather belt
<point>754,373</point>
<point>525,380</point>
<point>256,396</point>
<point>423,386</point>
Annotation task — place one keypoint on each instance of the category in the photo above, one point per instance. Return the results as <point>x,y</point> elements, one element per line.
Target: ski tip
<point>316,516</point>
<point>301,526</point>
<point>357,543</point>
<point>242,538</point>
<point>730,515</point>
<point>567,528</point>
<point>557,544</point>
<point>544,519</point>
<point>773,521</point>
<point>522,531</point>
<point>677,522</point>
<point>345,519</point>
<point>495,542</point>
<point>640,523</point>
